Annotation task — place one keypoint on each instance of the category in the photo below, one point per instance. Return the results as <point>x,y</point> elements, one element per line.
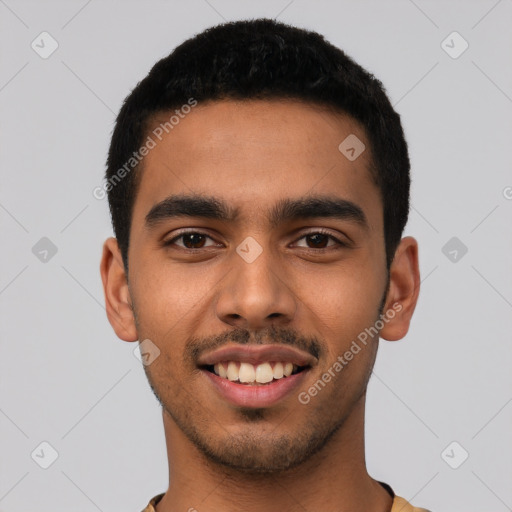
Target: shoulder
<point>151,505</point>
<point>401,505</point>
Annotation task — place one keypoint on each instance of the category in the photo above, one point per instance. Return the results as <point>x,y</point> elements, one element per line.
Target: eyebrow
<point>206,207</point>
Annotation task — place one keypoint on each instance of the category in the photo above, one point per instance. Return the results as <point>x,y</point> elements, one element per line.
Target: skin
<point>251,154</point>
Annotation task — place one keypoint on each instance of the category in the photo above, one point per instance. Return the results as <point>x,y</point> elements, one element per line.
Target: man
<point>258,181</point>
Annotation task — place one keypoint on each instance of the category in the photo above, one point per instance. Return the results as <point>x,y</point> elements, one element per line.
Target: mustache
<point>196,346</point>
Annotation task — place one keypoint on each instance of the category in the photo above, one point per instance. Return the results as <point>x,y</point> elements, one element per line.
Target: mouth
<point>261,374</point>
<point>256,375</point>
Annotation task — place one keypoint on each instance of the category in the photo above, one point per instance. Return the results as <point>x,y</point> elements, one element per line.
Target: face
<point>257,248</point>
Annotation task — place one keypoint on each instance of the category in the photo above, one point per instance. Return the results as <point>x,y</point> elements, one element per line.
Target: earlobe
<point>404,288</point>
<point>116,292</point>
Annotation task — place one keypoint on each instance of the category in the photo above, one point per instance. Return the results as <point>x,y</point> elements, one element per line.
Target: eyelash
<point>320,231</point>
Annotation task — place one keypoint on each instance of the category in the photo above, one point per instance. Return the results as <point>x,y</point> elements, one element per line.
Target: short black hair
<point>261,59</point>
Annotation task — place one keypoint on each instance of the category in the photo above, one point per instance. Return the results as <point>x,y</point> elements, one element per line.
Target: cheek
<point>344,303</point>
<point>167,296</point>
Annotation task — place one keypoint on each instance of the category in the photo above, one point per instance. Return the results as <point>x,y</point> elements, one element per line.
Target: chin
<point>260,452</point>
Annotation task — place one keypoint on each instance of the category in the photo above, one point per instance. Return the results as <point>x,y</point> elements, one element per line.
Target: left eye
<point>320,239</point>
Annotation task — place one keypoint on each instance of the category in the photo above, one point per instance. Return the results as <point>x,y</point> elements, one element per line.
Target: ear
<point>404,288</point>
<point>117,294</point>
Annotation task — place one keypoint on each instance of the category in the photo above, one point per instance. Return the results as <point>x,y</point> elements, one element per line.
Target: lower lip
<point>263,395</point>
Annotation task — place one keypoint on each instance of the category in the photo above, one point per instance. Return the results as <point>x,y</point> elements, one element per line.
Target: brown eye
<point>190,240</point>
<point>320,240</point>
<point>193,240</point>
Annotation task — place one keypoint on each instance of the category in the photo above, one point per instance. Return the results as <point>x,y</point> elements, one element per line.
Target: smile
<point>255,374</point>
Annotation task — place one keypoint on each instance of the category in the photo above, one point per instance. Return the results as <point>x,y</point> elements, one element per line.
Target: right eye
<point>191,240</point>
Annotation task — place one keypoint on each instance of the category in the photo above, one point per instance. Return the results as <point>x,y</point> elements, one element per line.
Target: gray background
<point>65,378</point>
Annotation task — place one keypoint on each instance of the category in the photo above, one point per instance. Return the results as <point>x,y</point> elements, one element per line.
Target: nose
<point>256,295</point>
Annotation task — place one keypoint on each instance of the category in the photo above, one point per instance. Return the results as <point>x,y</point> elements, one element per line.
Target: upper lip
<point>255,354</point>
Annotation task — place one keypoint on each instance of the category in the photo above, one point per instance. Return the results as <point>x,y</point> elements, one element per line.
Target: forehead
<point>252,153</point>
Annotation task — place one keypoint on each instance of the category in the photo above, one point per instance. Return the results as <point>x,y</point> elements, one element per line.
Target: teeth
<point>264,373</point>
<point>278,371</point>
<point>223,372</point>
<point>232,373</point>
<point>247,373</point>
<point>288,369</point>
<point>220,370</point>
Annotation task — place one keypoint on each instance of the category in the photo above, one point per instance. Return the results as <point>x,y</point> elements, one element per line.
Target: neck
<point>336,477</point>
